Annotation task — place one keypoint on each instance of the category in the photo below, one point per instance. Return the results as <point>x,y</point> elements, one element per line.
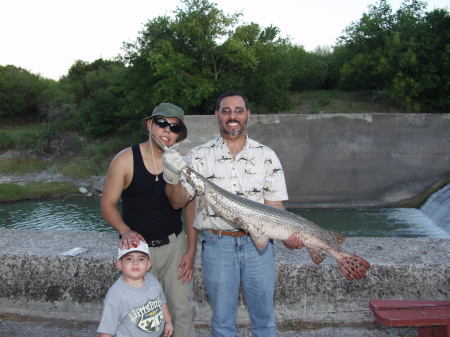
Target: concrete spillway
<point>437,208</point>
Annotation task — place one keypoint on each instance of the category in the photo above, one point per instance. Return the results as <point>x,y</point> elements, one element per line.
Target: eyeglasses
<point>162,123</point>
<point>228,111</point>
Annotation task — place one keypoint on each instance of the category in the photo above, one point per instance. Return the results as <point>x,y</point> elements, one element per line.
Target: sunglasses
<point>162,123</point>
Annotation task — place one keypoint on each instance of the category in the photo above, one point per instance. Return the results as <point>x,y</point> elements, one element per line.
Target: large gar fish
<point>263,222</point>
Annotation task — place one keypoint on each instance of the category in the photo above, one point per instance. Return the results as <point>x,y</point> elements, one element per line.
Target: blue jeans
<point>226,262</point>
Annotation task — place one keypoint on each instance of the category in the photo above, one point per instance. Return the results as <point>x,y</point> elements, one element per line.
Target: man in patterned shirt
<point>247,168</point>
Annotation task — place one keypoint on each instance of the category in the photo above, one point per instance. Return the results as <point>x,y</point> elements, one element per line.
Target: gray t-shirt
<point>130,311</point>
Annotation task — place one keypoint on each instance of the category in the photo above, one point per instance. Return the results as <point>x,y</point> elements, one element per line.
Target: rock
<point>83,190</point>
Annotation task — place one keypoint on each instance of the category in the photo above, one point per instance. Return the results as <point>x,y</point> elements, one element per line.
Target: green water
<point>82,214</point>
<point>73,214</point>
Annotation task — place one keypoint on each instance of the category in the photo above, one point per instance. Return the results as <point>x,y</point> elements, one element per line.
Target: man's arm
<point>177,195</point>
<point>277,204</point>
<point>112,190</point>
<point>186,266</point>
<point>293,242</point>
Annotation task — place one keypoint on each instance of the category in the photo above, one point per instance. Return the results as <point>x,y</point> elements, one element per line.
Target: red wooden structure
<point>431,317</point>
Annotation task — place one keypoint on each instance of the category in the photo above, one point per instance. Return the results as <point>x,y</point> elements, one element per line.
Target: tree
<point>20,92</point>
<point>190,58</point>
<point>179,56</point>
<point>266,77</point>
<point>364,42</point>
<point>404,54</point>
<point>97,94</point>
<point>308,70</point>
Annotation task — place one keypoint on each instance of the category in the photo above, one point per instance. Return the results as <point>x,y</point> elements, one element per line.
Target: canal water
<point>82,214</point>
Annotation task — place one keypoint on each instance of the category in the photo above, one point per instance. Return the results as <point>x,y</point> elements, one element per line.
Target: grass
<point>336,101</point>
<point>44,147</point>
<point>22,165</point>
<point>36,190</point>
<point>79,168</point>
<point>33,136</point>
<point>20,139</point>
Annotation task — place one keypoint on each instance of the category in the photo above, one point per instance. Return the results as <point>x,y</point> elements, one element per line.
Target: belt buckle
<point>158,243</point>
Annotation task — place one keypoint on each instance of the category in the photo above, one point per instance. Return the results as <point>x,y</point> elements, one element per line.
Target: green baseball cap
<point>171,110</point>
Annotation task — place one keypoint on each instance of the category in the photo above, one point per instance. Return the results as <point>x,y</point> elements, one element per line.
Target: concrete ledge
<point>37,280</point>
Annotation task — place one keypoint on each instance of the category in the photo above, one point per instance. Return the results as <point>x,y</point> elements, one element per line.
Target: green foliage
<point>94,88</point>
<point>36,190</point>
<point>404,53</point>
<point>338,101</point>
<point>33,137</point>
<point>57,102</point>
<point>80,169</point>
<point>20,92</point>
<point>7,141</point>
<point>22,165</point>
<point>197,53</point>
<point>180,58</point>
<point>200,53</point>
<point>308,70</point>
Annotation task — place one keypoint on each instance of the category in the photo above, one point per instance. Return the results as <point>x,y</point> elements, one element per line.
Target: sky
<point>46,37</point>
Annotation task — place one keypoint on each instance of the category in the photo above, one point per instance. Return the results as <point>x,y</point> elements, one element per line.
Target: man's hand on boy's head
<point>130,239</point>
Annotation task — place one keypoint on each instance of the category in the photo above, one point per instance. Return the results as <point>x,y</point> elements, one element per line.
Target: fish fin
<point>202,203</point>
<point>259,240</point>
<point>338,237</point>
<point>353,267</point>
<point>317,256</point>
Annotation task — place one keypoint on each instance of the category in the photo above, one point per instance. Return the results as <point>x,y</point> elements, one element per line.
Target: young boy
<point>135,304</point>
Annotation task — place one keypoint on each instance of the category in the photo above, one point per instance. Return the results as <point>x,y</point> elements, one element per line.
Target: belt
<point>162,241</point>
<point>228,233</point>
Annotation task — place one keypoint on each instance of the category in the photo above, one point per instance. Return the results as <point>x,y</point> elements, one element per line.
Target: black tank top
<point>145,207</point>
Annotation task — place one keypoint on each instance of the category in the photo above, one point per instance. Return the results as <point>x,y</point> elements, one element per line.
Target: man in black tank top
<point>135,178</point>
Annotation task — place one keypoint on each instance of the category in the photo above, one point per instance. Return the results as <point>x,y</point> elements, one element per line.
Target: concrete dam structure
<point>370,160</point>
<point>348,160</point>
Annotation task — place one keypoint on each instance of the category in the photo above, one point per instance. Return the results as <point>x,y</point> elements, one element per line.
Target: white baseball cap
<point>142,247</point>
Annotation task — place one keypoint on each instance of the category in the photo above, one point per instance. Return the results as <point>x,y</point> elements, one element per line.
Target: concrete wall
<point>348,160</point>
<point>35,279</point>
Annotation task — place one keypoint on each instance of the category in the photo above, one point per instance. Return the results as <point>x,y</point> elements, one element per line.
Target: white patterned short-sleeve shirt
<point>255,174</point>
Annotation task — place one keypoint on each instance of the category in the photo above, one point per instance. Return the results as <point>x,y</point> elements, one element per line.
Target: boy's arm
<point>168,328</point>
<point>104,335</point>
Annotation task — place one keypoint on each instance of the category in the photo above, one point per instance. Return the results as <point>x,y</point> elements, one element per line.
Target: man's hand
<point>186,267</point>
<point>130,239</point>
<point>173,164</point>
<point>293,242</point>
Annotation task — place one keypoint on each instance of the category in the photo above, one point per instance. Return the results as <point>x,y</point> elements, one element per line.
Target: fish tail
<point>353,267</point>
